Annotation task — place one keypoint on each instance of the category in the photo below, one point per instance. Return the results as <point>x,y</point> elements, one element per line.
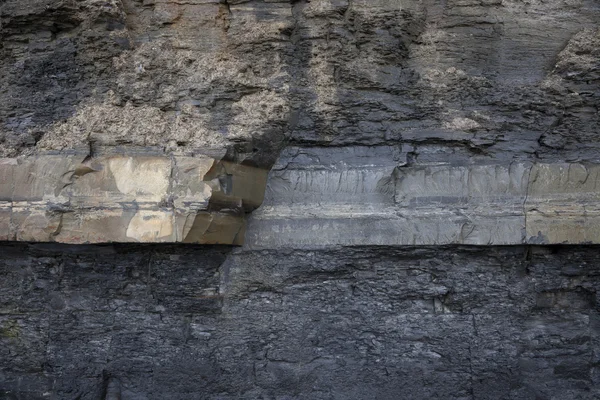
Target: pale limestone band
<point>77,199</point>
<point>512,204</point>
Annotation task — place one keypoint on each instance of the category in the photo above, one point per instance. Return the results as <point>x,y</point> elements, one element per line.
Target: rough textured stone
<point>185,321</point>
<point>468,79</point>
<point>483,83</point>
<point>167,74</point>
<point>79,199</point>
<point>386,123</point>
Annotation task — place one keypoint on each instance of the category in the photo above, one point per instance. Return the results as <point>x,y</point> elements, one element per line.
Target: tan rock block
<point>190,191</point>
<point>196,226</point>
<point>216,228</point>
<point>35,225</point>
<point>5,222</point>
<point>135,198</point>
<point>41,177</point>
<point>563,205</point>
<point>7,166</point>
<point>236,185</point>
<point>248,183</point>
<point>143,177</point>
<point>563,228</point>
<point>151,227</point>
<point>95,226</point>
<point>121,178</point>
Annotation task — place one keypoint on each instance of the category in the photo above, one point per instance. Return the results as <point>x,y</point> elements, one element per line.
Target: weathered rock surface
<point>491,79</point>
<point>398,134</point>
<point>479,84</point>
<point>78,199</point>
<point>189,322</point>
<point>168,74</point>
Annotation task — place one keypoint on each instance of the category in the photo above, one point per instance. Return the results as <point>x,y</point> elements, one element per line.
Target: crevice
<point>530,180</point>
<point>224,15</point>
<point>112,387</point>
<point>58,230</point>
<point>471,372</point>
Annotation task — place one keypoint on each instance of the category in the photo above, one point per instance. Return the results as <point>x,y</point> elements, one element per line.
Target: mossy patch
<point>10,329</point>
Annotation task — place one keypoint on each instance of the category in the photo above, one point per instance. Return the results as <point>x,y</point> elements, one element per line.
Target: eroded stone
<point>373,198</point>
<point>119,198</point>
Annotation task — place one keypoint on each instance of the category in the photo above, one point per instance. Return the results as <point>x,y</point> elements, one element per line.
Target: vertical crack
<point>224,14</point>
<point>471,373</point>
<point>530,180</point>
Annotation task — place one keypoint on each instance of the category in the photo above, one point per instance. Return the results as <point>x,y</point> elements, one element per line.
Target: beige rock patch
<point>149,177</point>
<point>151,226</point>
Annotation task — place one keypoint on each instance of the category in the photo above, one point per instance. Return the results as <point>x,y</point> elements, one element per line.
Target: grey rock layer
<point>376,196</point>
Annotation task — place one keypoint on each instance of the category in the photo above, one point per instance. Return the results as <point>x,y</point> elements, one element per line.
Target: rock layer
<point>123,198</point>
<point>374,196</point>
<point>185,321</point>
<point>399,134</point>
<point>360,196</point>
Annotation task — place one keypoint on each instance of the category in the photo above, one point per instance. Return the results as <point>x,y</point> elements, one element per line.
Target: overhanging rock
<point>121,198</point>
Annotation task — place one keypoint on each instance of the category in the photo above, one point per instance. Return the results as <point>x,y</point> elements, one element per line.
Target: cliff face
<point>471,79</point>
<point>427,122</point>
<point>190,322</point>
<point>418,162</point>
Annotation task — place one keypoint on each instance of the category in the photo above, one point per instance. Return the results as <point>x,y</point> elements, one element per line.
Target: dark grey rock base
<point>191,322</point>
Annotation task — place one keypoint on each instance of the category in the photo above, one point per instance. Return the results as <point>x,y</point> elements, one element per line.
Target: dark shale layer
<point>199,322</point>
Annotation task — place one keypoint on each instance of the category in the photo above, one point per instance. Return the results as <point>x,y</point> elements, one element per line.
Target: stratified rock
<point>123,198</point>
<point>373,196</point>
<point>425,158</point>
<point>468,91</point>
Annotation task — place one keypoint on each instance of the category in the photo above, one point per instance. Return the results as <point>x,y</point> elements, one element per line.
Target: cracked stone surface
<point>462,89</point>
<point>430,180</point>
<point>185,321</point>
<point>80,199</point>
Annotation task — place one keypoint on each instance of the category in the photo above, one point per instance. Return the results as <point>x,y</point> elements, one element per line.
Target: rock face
<point>182,322</point>
<point>71,199</point>
<point>465,95</point>
<point>420,162</point>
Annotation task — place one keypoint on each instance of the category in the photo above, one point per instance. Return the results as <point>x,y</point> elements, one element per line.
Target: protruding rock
<point>368,196</point>
<point>117,198</point>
